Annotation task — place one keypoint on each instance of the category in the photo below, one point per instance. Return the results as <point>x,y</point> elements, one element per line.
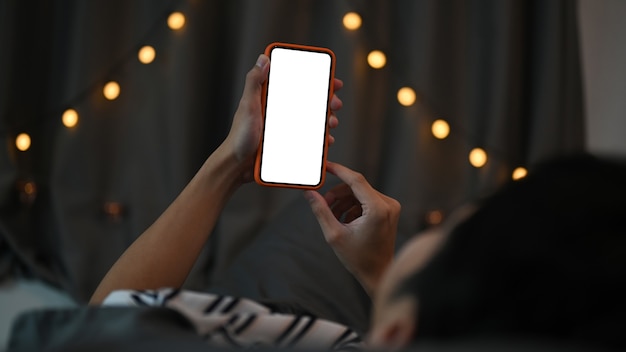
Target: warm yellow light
<point>352,21</point>
<point>111,90</point>
<point>440,129</point>
<point>376,59</point>
<point>29,188</point>
<point>176,21</point>
<point>406,96</point>
<point>22,142</point>
<point>478,157</point>
<point>434,217</point>
<point>70,118</point>
<point>146,54</point>
<point>519,173</point>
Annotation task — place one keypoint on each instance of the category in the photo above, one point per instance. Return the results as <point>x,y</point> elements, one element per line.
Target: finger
<point>331,195</point>
<point>362,190</point>
<point>333,121</point>
<point>331,140</point>
<point>340,191</point>
<point>256,76</point>
<point>336,193</point>
<point>337,84</point>
<point>343,206</point>
<point>335,103</point>
<point>340,199</point>
<point>352,214</point>
<point>323,214</point>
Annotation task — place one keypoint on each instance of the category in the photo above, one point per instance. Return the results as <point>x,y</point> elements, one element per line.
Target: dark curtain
<point>505,74</point>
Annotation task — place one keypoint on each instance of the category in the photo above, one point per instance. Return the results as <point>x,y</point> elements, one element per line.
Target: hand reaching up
<point>245,133</point>
<point>359,223</point>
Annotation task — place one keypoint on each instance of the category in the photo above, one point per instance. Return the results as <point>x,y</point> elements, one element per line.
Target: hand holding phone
<point>296,108</point>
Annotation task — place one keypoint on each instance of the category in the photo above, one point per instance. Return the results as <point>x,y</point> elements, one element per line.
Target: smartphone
<point>296,107</point>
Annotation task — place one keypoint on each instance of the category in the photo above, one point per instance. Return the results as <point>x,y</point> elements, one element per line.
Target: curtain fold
<point>505,74</point>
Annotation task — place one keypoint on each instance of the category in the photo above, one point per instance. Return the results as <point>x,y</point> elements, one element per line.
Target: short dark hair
<point>544,256</point>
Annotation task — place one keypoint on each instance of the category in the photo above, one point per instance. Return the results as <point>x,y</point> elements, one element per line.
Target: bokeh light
<point>376,59</point>
<point>146,54</point>
<point>29,188</point>
<point>114,211</point>
<point>111,90</point>
<point>70,118</point>
<point>22,142</point>
<point>352,21</point>
<point>27,191</point>
<point>440,129</point>
<point>406,96</point>
<point>434,217</point>
<point>478,157</point>
<point>176,21</point>
<point>519,173</point>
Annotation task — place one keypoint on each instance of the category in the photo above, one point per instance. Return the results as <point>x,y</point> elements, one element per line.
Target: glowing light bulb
<point>70,118</point>
<point>440,129</point>
<point>176,21</point>
<point>478,157</point>
<point>29,188</point>
<point>146,54</point>
<point>111,90</point>
<point>519,173</point>
<point>352,21</point>
<point>434,217</point>
<point>27,191</point>
<point>376,59</point>
<point>22,142</point>
<point>406,96</point>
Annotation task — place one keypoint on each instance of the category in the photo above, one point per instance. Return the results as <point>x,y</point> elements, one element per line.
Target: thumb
<point>322,212</point>
<point>256,76</point>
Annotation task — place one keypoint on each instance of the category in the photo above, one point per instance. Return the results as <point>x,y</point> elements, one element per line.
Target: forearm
<point>165,253</point>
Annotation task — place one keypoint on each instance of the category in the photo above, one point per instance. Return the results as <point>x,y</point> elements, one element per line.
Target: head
<point>544,256</point>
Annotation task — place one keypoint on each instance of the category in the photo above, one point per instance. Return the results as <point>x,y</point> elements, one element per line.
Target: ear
<point>398,334</point>
<point>396,329</point>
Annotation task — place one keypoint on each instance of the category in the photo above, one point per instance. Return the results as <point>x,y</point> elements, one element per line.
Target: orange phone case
<point>257,165</point>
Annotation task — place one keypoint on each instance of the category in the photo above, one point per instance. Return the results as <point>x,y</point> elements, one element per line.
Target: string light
<point>22,142</point>
<point>406,96</point>
<point>440,129</point>
<point>376,59</point>
<point>434,217</point>
<point>176,21</point>
<point>146,54</point>
<point>478,157</point>
<point>27,191</point>
<point>114,211</point>
<point>519,173</point>
<point>111,90</point>
<point>70,118</point>
<point>29,188</point>
<point>352,21</point>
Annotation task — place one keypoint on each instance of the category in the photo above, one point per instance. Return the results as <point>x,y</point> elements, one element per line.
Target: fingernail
<point>308,196</point>
<point>262,61</point>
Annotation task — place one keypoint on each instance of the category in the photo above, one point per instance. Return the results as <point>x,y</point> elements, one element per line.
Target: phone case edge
<point>257,163</point>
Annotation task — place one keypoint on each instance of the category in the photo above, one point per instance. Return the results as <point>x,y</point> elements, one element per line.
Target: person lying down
<point>543,258</point>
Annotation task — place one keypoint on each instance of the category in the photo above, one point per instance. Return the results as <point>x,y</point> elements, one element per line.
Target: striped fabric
<point>225,321</point>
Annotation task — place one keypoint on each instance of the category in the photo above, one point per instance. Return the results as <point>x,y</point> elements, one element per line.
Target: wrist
<point>223,170</point>
<point>370,284</point>
<point>370,280</point>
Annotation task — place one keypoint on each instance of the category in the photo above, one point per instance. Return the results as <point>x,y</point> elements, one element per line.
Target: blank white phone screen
<point>295,117</point>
